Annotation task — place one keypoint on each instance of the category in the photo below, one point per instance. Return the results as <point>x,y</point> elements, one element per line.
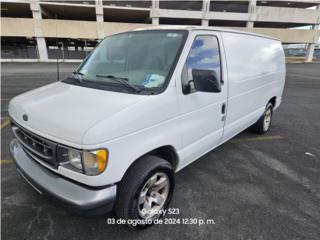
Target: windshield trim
<point>151,91</point>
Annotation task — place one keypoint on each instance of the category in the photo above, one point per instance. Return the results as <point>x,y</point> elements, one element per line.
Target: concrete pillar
<point>100,19</point>
<point>41,42</point>
<point>252,13</point>
<point>205,10</point>
<point>310,52</point>
<point>42,48</point>
<point>311,46</point>
<point>154,13</point>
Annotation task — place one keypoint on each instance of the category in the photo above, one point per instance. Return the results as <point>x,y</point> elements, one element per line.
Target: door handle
<point>223,109</point>
<point>223,112</point>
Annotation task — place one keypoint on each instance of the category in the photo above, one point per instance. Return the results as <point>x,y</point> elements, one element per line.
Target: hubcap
<point>153,195</point>
<point>267,119</point>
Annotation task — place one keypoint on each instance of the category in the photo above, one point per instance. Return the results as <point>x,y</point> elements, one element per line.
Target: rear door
<point>203,113</point>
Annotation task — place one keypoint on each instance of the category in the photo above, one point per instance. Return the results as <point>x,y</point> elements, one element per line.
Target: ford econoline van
<point>142,106</point>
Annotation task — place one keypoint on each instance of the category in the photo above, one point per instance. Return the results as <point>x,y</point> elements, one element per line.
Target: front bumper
<point>76,197</point>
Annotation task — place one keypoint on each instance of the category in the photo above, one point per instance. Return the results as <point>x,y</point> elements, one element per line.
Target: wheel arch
<point>166,152</point>
<point>273,101</point>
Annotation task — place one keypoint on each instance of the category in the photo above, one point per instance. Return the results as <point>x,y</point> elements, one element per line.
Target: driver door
<point>204,113</point>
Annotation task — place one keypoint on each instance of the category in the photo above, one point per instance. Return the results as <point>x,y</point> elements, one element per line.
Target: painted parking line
<point>6,161</point>
<point>5,123</point>
<point>253,139</point>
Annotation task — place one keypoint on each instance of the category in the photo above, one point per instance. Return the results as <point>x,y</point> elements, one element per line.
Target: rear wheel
<point>145,191</point>
<point>263,124</point>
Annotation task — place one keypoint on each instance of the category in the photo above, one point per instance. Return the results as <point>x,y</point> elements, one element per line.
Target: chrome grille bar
<point>39,147</point>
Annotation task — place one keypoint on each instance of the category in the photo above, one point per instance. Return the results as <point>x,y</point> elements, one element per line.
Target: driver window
<point>204,55</point>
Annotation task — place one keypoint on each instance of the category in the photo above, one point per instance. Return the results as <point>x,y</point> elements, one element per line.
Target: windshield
<point>133,62</point>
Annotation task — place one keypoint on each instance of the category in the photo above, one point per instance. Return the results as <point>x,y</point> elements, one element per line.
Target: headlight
<point>74,158</point>
<point>88,162</point>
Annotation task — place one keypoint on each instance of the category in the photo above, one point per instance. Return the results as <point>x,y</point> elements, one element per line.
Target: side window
<point>204,55</point>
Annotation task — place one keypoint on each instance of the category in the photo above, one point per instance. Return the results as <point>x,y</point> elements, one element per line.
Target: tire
<point>263,125</point>
<point>136,182</point>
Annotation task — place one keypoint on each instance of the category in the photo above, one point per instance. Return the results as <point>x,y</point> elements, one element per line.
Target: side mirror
<point>206,80</point>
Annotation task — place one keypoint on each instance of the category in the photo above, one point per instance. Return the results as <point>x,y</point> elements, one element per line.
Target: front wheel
<point>145,191</point>
<point>263,124</point>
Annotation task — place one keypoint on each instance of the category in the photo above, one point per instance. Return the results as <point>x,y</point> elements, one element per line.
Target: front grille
<point>37,147</point>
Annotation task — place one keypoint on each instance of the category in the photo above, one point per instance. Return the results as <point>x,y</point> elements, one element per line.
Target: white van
<point>142,106</point>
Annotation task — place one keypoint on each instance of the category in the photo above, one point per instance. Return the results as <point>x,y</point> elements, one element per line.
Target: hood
<point>64,112</point>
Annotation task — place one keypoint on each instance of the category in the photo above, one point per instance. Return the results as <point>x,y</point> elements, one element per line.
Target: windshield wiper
<point>79,74</point>
<point>124,81</point>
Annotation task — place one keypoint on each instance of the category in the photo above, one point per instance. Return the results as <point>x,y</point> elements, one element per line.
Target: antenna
<point>58,77</point>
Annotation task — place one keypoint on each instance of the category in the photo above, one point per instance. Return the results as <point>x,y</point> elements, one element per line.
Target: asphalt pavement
<point>252,187</point>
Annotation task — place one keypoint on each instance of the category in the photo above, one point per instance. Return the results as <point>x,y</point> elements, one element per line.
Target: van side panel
<point>256,73</point>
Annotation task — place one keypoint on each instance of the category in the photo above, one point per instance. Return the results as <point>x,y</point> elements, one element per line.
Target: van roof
<point>192,28</point>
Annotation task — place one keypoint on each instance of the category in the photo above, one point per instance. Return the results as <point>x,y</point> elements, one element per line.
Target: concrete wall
<point>17,27</point>
<point>12,27</point>
<point>289,35</point>
<point>288,15</point>
<point>88,29</point>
